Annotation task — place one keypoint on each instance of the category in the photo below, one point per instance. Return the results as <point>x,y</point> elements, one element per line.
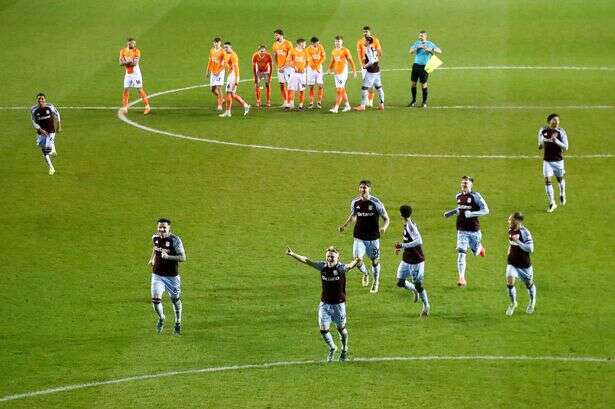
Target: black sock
<point>424,95</point>
<point>413,89</point>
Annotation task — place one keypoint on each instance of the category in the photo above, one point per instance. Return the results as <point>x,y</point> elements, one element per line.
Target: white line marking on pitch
<point>67,388</point>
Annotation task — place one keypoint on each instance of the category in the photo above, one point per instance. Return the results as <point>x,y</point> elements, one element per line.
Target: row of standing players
<point>298,67</point>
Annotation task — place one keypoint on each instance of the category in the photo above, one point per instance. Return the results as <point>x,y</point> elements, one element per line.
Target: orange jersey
<point>216,61</point>
<point>261,64</point>
<point>316,57</point>
<point>130,54</point>
<point>361,47</point>
<point>297,59</point>
<point>231,61</point>
<point>340,58</point>
<point>281,50</point>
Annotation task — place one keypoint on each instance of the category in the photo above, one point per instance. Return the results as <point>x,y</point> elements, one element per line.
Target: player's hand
<point>341,228</point>
<point>44,132</point>
<point>164,255</point>
<point>515,237</point>
<point>207,75</point>
<point>467,214</point>
<point>59,129</point>
<point>382,230</point>
<point>150,262</point>
<point>512,243</point>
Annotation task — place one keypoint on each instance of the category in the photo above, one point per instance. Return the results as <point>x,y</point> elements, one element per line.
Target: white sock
<point>364,97</point>
<point>158,308</point>
<point>381,94</point>
<point>532,292</point>
<point>177,308</point>
<point>409,286</point>
<point>424,298</point>
<point>48,161</point>
<point>512,294</point>
<point>376,272</point>
<point>363,269</point>
<point>328,338</point>
<point>344,339</point>
<point>562,187</point>
<point>549,189</point>
<point>461,264</point>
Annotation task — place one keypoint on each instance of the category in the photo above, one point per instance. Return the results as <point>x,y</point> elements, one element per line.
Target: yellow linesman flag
<point>433,63</point>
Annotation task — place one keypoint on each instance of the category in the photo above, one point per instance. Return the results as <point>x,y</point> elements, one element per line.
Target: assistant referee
<point>423,49</point>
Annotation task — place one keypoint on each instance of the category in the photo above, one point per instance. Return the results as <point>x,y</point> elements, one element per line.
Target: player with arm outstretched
<point>332,307</point>
<point>470,205</point>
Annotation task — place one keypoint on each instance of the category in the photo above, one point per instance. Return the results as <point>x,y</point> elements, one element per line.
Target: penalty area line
<point>268,365</point>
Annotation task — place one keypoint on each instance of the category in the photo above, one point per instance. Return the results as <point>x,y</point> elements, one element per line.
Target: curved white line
<point>67,388</point>
<point>123,118</point>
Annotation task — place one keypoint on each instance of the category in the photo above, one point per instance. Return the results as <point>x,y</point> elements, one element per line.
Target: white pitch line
<point>67,388</point>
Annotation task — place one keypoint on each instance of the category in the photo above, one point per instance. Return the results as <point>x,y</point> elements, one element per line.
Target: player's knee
<point>175,300</point>
<point>378,88</point>
<point>419,286</point>
<point>156,300</point>
<point>324,331</point>
<point>461,251</point>
<point>529,284</point>
<point>510,286</point>
<point>364,88</point>
<point>341,328</point>
<point>559,178</point>
<point>401,282</point>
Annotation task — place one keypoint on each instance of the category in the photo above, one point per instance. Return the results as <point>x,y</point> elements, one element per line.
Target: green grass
<point>75,279</point>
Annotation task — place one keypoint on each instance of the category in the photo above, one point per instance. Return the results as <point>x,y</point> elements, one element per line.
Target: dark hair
<point>518,216</point>
<point>262,47</point>
<point>422,32</point>
<point>366,28</point>
<point>314,40</point>
<point>40,94</point>
<point>164,220</point>
<point>217,40</point>
<point>365,182</point>
<point>332,249</point>
<point>300,40</point>
<point>550,117</point>
<point>130,39</point>
<point>338,37</point>
<point>369,39</point>
<point>227,43</point>
<point>405,211</point>
<point>470,178</point>
<point>279,31</point>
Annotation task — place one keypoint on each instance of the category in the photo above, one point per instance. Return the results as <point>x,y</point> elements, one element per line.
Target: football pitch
<point>77,327</point>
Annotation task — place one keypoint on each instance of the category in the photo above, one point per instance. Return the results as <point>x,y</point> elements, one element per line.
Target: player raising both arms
<point>340,58</point>
<point>215,71</point>
<point>231,62</point>
<point>366,211</point>
<point>361,49</point>
<point>261,69</point>
<point>332,307</point>
<point>280,48</point>
<point>316,58</point>
<point>129,59</point>
<point>297,62</point>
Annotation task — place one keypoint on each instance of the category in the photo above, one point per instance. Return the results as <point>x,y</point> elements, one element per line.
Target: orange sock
<point>239,99</point>
<point>229,102</point>
<point>257,89</point>
<point>311,94</point>
<point>301,97</point>
<point>125,99</point>
<point>268,93</point>
<point>370,94</point>
<point>283,91</point>
<point>290,96</point>
<point>143,96</point>
<point>321,92</point>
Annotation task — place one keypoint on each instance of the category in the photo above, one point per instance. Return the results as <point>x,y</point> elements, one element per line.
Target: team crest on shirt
<point>469,200</point>
<point>370,207</point>
<point>334,273</point>
<point>167,244</point>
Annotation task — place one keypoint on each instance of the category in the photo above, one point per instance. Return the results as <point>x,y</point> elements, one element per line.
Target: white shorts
<point>469,239</point>
<point>216,80</point>
<point>371,80</point>
<point>553,169</point>
<point>314,77</point>
<point>263,76</point>
<point>363,72</point>
<point>415,271</point>
<point>340,80</point>
<point>170,284</point>
<point>328,313</point>
<point>284,75</point>
<point>297,81</point>
<point>231,84</point>
<point>133,80</point>
<point>369,247</point>
<point>525,274</point>
<point>45,142</point>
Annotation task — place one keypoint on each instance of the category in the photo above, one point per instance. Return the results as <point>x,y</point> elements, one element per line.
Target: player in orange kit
<point>361,49</point>
<point>316,58</point>
<point>231,62</point>
<point>129,59</point>
<point>340,59</point>
<point>280,48</point>
<point>297,62</point>
<point>261,69</point>
<point>215,71</point>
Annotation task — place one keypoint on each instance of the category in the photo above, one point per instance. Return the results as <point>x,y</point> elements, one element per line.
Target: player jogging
<point>167,253</point>
<point>297,63</point>
<point>261,70</point>
<point>46,121</point>
<point>412,264</point>
<point>316,59</point>
<point>470,205</point>
<point>371,78</point>
<point>281,47</point>
<point>366,211</point>
<point>519,264</point>
<point>361,49</point>
<point>554,141</point>
<point>340,58</point>
<point>332,307</point>
<point>231,62</point>
<point>129,59</point>
<point>423,49</point>
<point>215,71</point>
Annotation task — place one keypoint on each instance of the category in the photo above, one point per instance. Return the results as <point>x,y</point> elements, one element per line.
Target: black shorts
<point>419,73</point>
